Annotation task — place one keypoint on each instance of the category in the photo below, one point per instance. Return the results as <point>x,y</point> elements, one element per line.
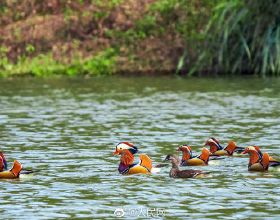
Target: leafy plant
<point>29,48</point>
<point>101,64</point>
<point>242,37</point>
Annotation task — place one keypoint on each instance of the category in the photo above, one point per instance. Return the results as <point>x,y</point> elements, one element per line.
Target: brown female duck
<point>175,172</point>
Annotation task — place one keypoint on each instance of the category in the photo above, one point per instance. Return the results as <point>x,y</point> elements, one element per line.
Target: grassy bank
<point>87,37</point>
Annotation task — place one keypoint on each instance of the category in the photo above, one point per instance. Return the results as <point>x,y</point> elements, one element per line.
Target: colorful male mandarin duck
<point>189,160</point>
<point>127,165</point>
<point>217,150</point>
<point>175,172</point>
<point>258,161</point>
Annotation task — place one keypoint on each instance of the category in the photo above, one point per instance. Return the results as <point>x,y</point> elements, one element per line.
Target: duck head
<point>254,153</point>
<point>251,149</point>
<point>125,146</point>
<point>173,159</point>
<point>214,144</point>
<point>186,150</point>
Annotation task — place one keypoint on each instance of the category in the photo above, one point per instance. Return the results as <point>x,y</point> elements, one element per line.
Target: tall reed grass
<point>242,37</point>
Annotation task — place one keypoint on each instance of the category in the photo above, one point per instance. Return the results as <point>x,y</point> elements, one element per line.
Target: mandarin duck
<point>258,161</point>
<point>175,172</point>
<point>127,165</point>
<point>217,150</point>
<point>189,160</point>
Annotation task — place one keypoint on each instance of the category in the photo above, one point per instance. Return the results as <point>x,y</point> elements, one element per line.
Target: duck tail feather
<point>161,165</point>
<point>274,163</point>
<point>239,150</point>
<point>217,157</point>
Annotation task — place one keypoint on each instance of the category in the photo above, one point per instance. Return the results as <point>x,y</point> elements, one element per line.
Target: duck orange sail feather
<point>13,173</point>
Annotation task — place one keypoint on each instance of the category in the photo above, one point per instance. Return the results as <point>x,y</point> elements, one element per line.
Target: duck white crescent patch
<point>123,146</point>
<point>251,148</point>
<point>212,141</point>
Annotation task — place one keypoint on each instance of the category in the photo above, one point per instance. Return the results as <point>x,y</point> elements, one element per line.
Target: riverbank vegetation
<point>190,37</point>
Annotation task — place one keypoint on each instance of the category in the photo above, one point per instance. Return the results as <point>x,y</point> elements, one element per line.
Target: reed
<point>242,37</point>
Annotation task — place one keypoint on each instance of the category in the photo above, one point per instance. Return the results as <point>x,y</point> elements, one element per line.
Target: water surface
<point>66,129</point>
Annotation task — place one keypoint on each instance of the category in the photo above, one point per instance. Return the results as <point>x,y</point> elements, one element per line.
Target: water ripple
<point>66,130</point>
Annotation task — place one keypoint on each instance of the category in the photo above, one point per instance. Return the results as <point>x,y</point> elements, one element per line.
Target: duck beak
<point>166,159</point>
<point>244,152</point>
<point>116,153</point>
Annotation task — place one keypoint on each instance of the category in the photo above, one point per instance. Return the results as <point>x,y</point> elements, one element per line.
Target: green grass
<point>44,65</point>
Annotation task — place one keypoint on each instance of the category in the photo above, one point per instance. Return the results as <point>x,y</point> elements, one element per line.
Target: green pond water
<point>66,130</point>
